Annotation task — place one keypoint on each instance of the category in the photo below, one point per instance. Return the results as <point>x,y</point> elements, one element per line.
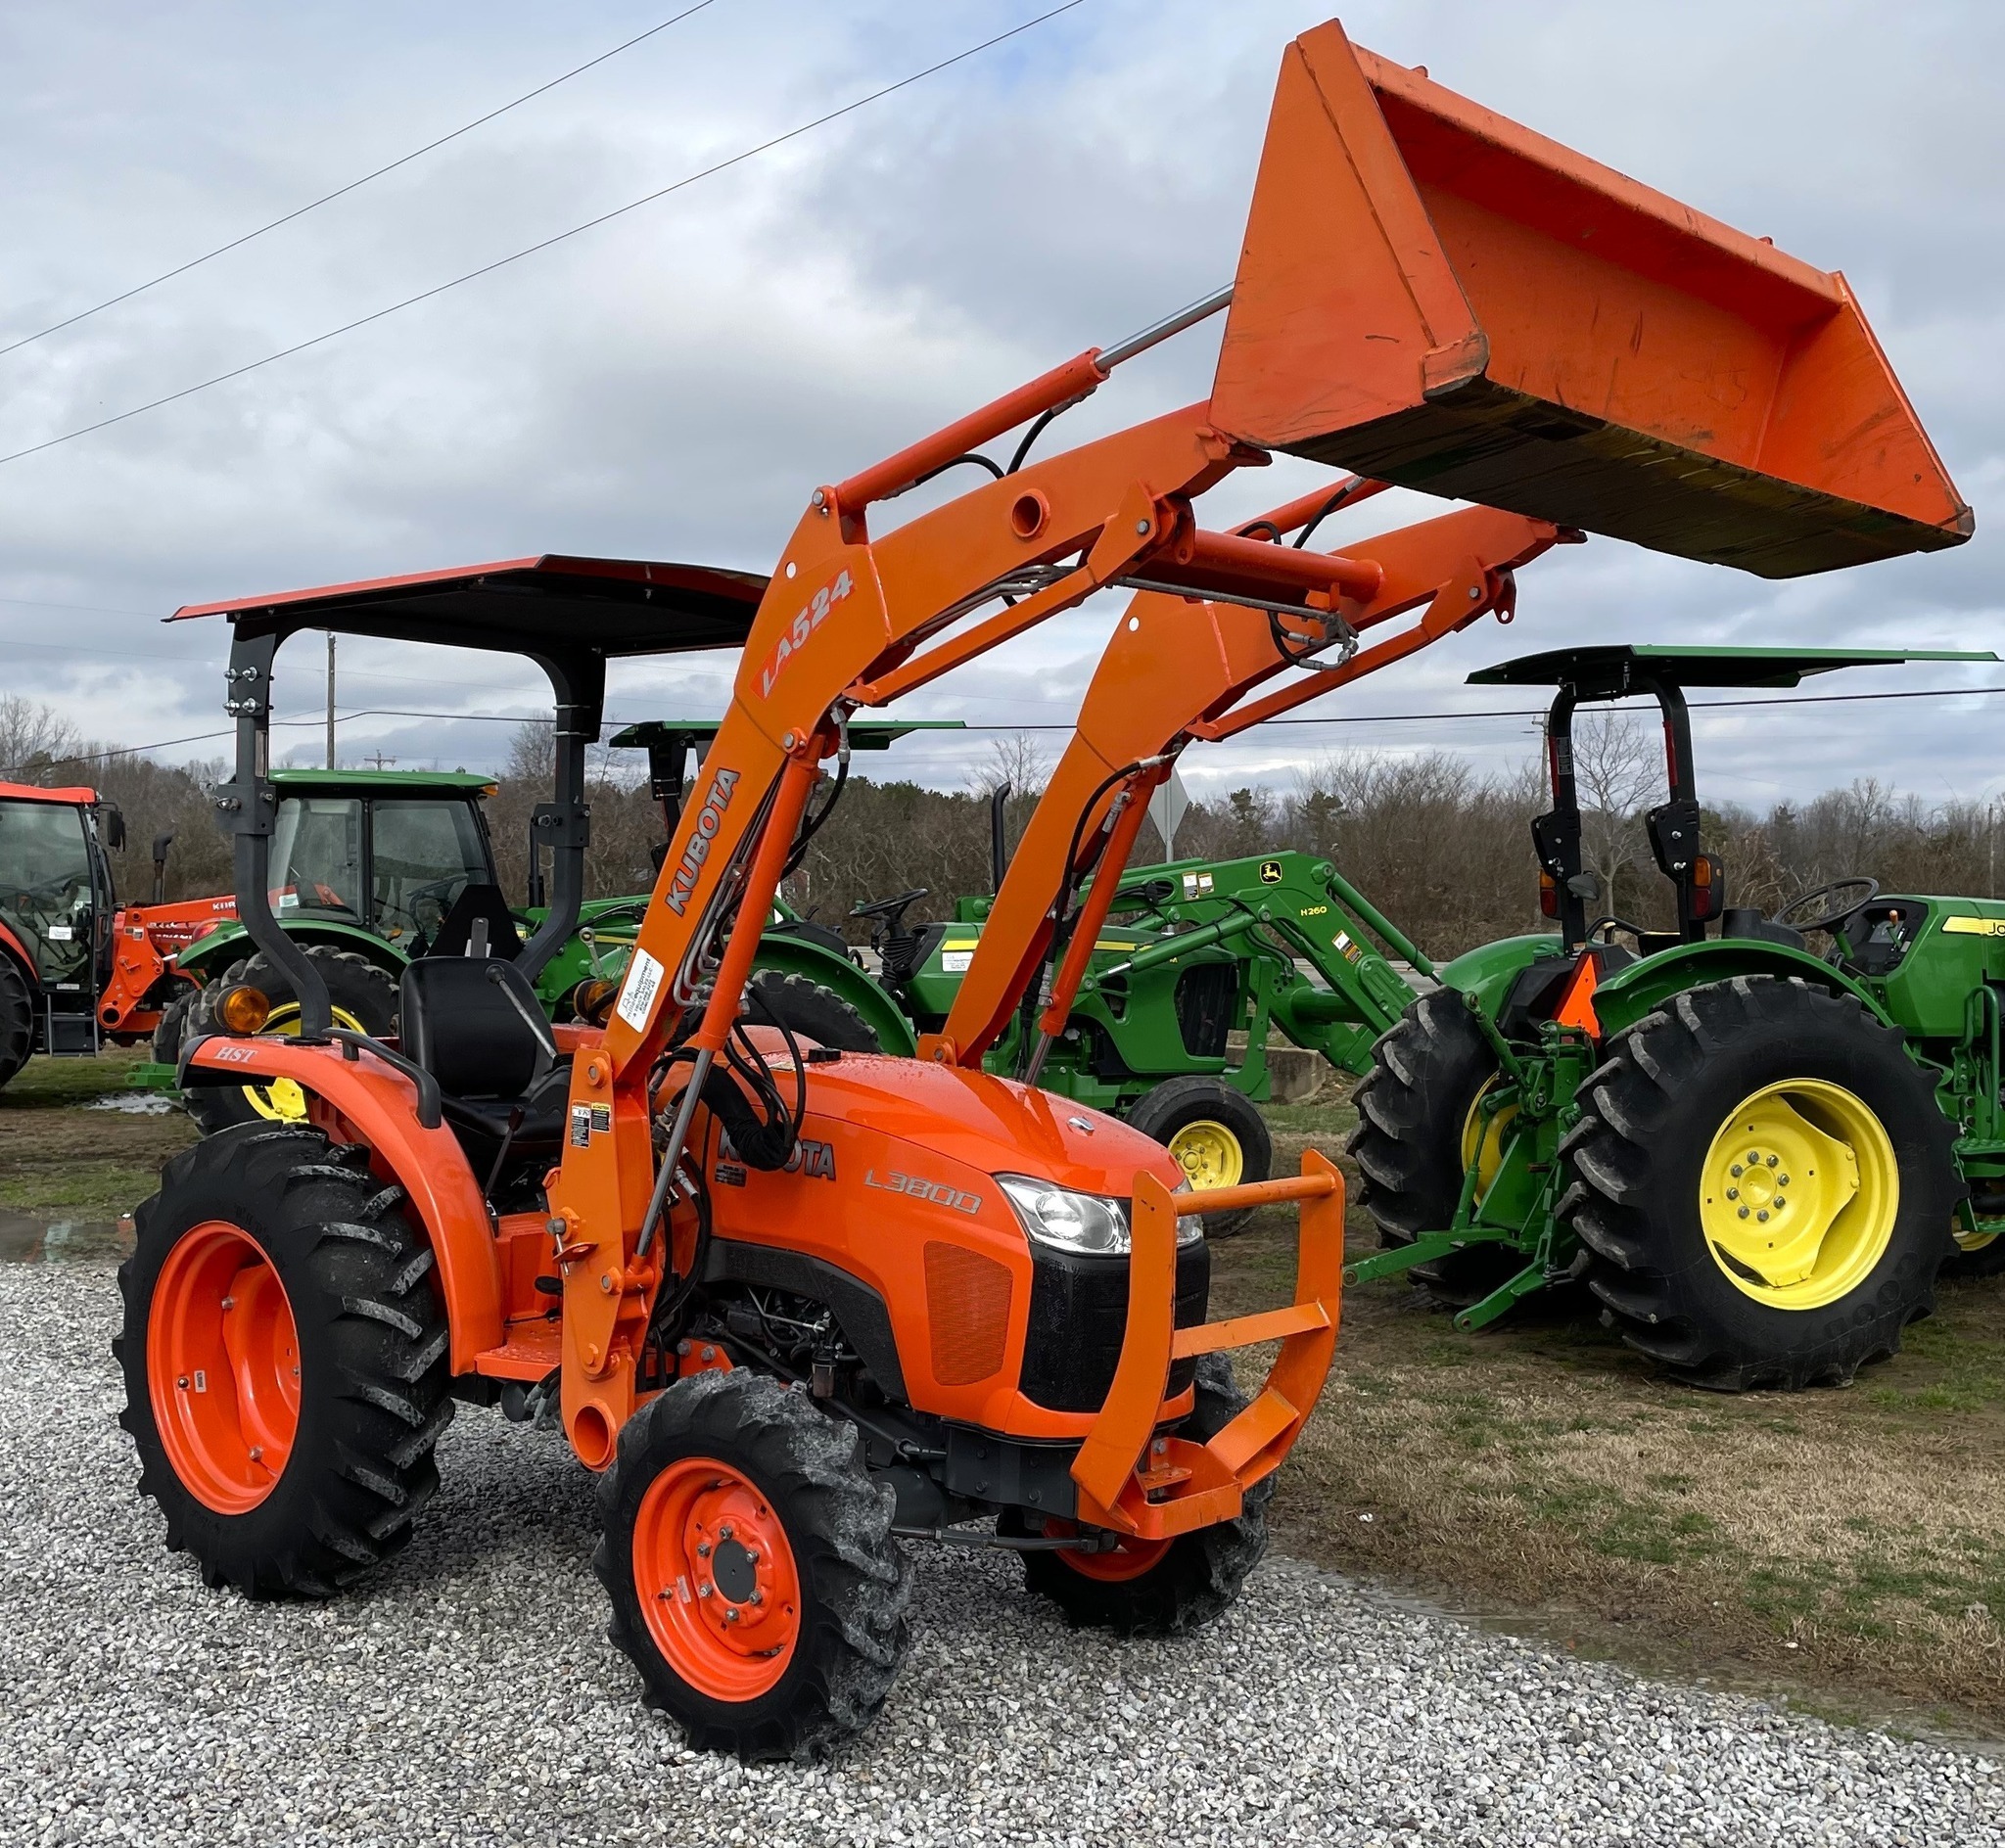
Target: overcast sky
<point>671,385</point>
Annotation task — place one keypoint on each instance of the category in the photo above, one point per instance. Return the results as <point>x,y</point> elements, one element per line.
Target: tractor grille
<point>968,1303</point>
<point>1204,1007</point>
<point>1078,1316</point>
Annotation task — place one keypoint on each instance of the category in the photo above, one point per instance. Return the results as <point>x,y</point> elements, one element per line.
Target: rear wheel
<point>16,1020</point>
<point>1159,1588</point>
<point>1978,1254</point>
<point>1420,1127</point>
<point>751,1565</point>
<point>809,1009</point>
<point>364,999</point>
<point>1216,1133</point>
<point>283,1354</point>
<point>1762,1178</point>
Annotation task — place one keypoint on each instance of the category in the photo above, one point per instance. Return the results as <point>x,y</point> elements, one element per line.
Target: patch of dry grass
<point>1852,1539</point>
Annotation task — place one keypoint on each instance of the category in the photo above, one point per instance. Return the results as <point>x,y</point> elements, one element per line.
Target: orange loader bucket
<point>1487,315</point>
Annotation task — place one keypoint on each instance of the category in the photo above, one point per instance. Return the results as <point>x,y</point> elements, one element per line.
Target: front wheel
<point>1762,1178</point>
<point>1216,1135</point>
<point>1159,1588</point>
<point>750,1560</point>
<point>16,1020</point>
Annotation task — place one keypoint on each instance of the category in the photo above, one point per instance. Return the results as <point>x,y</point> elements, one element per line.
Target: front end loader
<point>805,1307</point>
<point>1755,1154</point>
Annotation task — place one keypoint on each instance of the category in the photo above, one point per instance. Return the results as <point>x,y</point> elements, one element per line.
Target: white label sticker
<point>956,961</point>
<point>637,994</point>
<point>61,933</point>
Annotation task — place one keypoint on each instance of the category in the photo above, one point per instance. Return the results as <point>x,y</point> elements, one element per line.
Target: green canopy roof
<point>1609,671</point>
<point>300,782</point>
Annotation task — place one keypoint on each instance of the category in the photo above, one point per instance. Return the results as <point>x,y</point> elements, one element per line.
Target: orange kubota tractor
<point>800,1306</point>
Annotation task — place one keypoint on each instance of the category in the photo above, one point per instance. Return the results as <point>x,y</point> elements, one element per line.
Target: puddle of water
<point>27,1240</point>
<point>136,1103</point>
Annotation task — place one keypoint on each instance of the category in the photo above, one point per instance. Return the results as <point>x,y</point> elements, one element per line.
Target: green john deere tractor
<point>1756,1153</point>
<point>1198,962</point>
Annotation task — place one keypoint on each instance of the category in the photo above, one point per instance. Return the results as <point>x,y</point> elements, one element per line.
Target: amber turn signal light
<point>244,1009</point>
<point>592,1000</point>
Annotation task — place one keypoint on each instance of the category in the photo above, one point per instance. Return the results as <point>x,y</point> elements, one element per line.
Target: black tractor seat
<point>474,1023</point>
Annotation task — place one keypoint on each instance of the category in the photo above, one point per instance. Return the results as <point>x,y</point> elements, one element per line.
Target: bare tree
<point>1015,759</point>
<point>1616,768</point>
<point>36,744</point>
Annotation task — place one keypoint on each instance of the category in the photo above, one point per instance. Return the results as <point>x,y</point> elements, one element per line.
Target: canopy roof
<point>610,606</point>
<point>865,734</point>
<point>1611,670</point>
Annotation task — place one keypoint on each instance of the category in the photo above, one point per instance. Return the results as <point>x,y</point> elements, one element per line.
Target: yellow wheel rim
<point>1482,1148</point>
<point>1799,1194</point>
<point>1209,1153</point>
<point>1968,1239</point>
<point>281,1100</point>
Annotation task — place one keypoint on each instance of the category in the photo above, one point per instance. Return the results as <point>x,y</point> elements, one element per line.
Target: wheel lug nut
<point>1774,1160</point>
<point>1744,1212</point>
<point>258,1453</point>
<point>229,1302</point>
<point>731,1614</point>
<point>705,1591</point>
<point>182,1382</point>
<point>1732,1193</point>
<point>758,1596</point>
<point>724,1532</point>
<point>1736,1171</point>
<point>1762,1215</point>
<point>703,1549</point>
<point>1782,1181</point>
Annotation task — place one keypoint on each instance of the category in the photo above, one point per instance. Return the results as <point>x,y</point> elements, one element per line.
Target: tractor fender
<point>1622,1000</point>
<point>1485,975</point>
<point>12,946</point>
<point>365,1100</point>
<point>207,956</point>
<point>804,957</point>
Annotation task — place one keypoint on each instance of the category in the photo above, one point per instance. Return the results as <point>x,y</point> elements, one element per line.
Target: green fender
<point>207,956</point>
<point>816,962</point>
<point>1487,972</point>
<point>1625,998</point>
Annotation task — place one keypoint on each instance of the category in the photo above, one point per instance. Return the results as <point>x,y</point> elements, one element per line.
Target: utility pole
<point>330,698</point>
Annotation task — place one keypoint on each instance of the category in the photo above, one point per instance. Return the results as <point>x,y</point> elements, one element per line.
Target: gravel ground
<point>467,1695</point>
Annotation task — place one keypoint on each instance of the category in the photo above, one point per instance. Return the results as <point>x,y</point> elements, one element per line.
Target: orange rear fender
<point>367,1101</point>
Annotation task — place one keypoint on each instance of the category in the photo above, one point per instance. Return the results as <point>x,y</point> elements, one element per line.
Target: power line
<point>194,262</point>
<point>502,262</point>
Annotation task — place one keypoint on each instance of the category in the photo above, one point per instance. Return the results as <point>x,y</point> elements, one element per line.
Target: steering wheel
<point>1857,888</point>
<point>888,908</point>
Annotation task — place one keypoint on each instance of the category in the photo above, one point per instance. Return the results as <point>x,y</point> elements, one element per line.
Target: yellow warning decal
<point>1973,926</point>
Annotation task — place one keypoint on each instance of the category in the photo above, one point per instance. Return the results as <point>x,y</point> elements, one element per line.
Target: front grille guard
<point>1134,1482</point>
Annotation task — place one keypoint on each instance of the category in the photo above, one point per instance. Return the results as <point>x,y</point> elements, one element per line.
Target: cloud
<point>675,383</point>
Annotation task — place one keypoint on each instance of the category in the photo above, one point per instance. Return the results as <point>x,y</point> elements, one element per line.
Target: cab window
<point>426,854</point>
<point>45,885</point>
<point>316,856</point>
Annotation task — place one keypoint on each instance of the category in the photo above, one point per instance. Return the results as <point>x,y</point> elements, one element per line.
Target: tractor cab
<point>1604,674</point>
<point>56,908</point>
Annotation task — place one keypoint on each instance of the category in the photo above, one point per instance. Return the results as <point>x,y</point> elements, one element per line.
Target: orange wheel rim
<point>223,1367</point>
<point>716,1579</point>
<point>1131,1559</point>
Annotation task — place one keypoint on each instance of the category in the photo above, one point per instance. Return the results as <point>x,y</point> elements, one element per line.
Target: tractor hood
<point>993,1125</point>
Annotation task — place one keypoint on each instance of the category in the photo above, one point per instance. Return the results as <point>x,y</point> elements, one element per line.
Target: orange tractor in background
<point>77,968</point>
<point>804,1308</point>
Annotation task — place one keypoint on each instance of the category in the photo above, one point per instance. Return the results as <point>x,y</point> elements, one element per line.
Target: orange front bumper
<point>1134,1482</point>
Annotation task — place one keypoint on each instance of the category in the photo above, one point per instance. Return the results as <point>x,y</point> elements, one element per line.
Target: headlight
<point>1096,1223</point>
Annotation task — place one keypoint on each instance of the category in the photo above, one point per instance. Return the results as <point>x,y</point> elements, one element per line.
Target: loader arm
<point>1176,669</point>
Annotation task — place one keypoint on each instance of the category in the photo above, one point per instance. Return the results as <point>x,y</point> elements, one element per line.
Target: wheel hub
<point>1799,1193</point>
<point>222,1361</point>
<point>1209,1153</point>
<point>714,1575</point>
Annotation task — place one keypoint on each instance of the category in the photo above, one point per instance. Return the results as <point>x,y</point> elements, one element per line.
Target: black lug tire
<point>808,1008</point>
<point>16,1020</point>
<point>1967,1267</point>
<point>1631,1166</point>
<point>855,1580</point>
<point>1178,1102</point>
<point>372,1337</point>
<point>357,987</point>
<point>172,1026</point>
<point>1200,1576</point>
<point>1411,1106</point>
